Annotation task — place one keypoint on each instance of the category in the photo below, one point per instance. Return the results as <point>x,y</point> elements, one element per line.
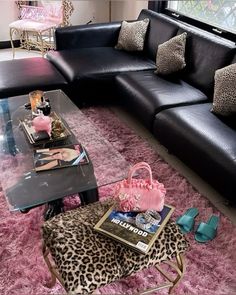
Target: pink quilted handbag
<point>139,194</point>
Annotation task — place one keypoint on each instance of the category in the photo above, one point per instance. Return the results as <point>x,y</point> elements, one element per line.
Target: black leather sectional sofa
<point>176,109</point>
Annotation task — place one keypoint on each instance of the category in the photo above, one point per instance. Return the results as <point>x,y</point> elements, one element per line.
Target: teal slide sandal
<point>207,231</point>
<point>186,221</point>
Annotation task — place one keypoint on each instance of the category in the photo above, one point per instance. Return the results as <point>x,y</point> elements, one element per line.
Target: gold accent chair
<point>36,24</point>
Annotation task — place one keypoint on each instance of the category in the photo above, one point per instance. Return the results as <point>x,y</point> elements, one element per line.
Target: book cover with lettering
<point>123,228</point>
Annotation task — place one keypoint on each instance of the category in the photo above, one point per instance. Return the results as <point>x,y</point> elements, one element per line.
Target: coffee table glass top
<point>23,187</point>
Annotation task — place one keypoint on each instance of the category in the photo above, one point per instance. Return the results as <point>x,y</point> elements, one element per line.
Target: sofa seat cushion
<point>204,141</point>
<point>85,63</point>
<point>146,94</point>
<point>20,76</point>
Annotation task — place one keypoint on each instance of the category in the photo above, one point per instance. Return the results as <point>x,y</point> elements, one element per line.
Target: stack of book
<point>122,227</point>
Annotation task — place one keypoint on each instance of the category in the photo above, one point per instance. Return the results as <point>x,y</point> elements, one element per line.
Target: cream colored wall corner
<point>127,9</point>
<point>8,14</point>
<point>84,11</point>
<point>104,10</point>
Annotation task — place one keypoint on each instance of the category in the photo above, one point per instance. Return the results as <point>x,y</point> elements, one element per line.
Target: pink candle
<point>42,123</point>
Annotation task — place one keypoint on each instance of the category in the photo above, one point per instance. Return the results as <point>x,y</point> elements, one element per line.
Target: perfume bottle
<point>35,100</point>
<point>44,106</point>
<point>42,123</point>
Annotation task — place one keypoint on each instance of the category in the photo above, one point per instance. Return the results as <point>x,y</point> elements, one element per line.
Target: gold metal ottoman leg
<point>182,267</point>
<point>178,266</point>
<point>54,274</point>
<point>50,267</point>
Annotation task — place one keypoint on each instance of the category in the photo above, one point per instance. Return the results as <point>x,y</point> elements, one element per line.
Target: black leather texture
<point>205,53</point>
<point>20,76</point>
<point>234,59</point>
<point>94,35</point>
<point>145,94</point>
<point>203,141</point>
<point>97,62</point>
<point>160,29</point>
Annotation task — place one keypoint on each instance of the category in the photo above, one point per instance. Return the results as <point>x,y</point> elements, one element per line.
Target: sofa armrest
<point>85,36</point>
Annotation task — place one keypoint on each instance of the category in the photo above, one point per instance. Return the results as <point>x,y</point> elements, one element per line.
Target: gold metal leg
<point>179,267</point>
<point>12,44</point>
<point>31,39</point>
<point>41,43</point>
<point>52,269</point>
<point>171,283</point>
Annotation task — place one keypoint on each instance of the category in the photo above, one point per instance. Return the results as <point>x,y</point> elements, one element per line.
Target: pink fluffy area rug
<point>211,267</point>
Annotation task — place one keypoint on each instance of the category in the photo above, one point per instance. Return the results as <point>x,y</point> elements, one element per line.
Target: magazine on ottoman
<point>122,226</point>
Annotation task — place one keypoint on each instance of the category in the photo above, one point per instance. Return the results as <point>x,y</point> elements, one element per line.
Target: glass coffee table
<point>24,188</point>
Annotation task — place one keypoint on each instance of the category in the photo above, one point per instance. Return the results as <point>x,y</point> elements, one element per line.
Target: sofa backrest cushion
<point>204,54</point>
<point>161,28</point>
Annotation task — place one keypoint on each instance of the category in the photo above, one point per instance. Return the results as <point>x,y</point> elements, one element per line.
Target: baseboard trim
<point>7,44</point>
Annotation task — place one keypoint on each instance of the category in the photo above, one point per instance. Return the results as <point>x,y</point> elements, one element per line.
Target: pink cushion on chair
<point>36,13</point>
<point>54,12</point>
<point>30,25</point>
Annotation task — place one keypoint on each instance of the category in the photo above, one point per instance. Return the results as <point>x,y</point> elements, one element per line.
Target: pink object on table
<point>42,123</point>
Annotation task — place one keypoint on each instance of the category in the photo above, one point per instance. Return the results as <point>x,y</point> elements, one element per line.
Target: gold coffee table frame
<point>178,265</point>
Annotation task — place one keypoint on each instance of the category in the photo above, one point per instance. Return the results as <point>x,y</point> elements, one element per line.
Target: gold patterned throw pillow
<point>132,35</point>
<point>171,55</point>
<point>224,101</point>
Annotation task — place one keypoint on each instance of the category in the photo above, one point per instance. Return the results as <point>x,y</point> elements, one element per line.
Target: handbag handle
<point>139,166</point>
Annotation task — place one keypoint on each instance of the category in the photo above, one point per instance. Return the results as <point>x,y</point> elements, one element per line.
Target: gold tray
<point>56,136</point>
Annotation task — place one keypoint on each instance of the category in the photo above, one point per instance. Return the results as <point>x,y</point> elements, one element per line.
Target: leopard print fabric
<point>87,260</point>
<point>170,56</point>
<point>224,101</point>
<point>132,35</point>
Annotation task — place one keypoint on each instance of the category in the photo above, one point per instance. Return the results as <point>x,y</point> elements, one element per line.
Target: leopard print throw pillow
<point>224,100</point>
<point>132,35</point>
<point>171,55</point>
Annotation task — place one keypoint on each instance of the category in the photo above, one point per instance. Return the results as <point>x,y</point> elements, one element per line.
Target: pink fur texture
<point>211,267</point>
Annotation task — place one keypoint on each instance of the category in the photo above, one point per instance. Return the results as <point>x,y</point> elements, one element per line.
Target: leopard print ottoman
<point>87,260</point>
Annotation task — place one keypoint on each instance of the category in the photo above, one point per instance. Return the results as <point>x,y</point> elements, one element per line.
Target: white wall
<point>127,10</point>
<point>95,10</point>
<point>99,10</point>
<point>8,13</point>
